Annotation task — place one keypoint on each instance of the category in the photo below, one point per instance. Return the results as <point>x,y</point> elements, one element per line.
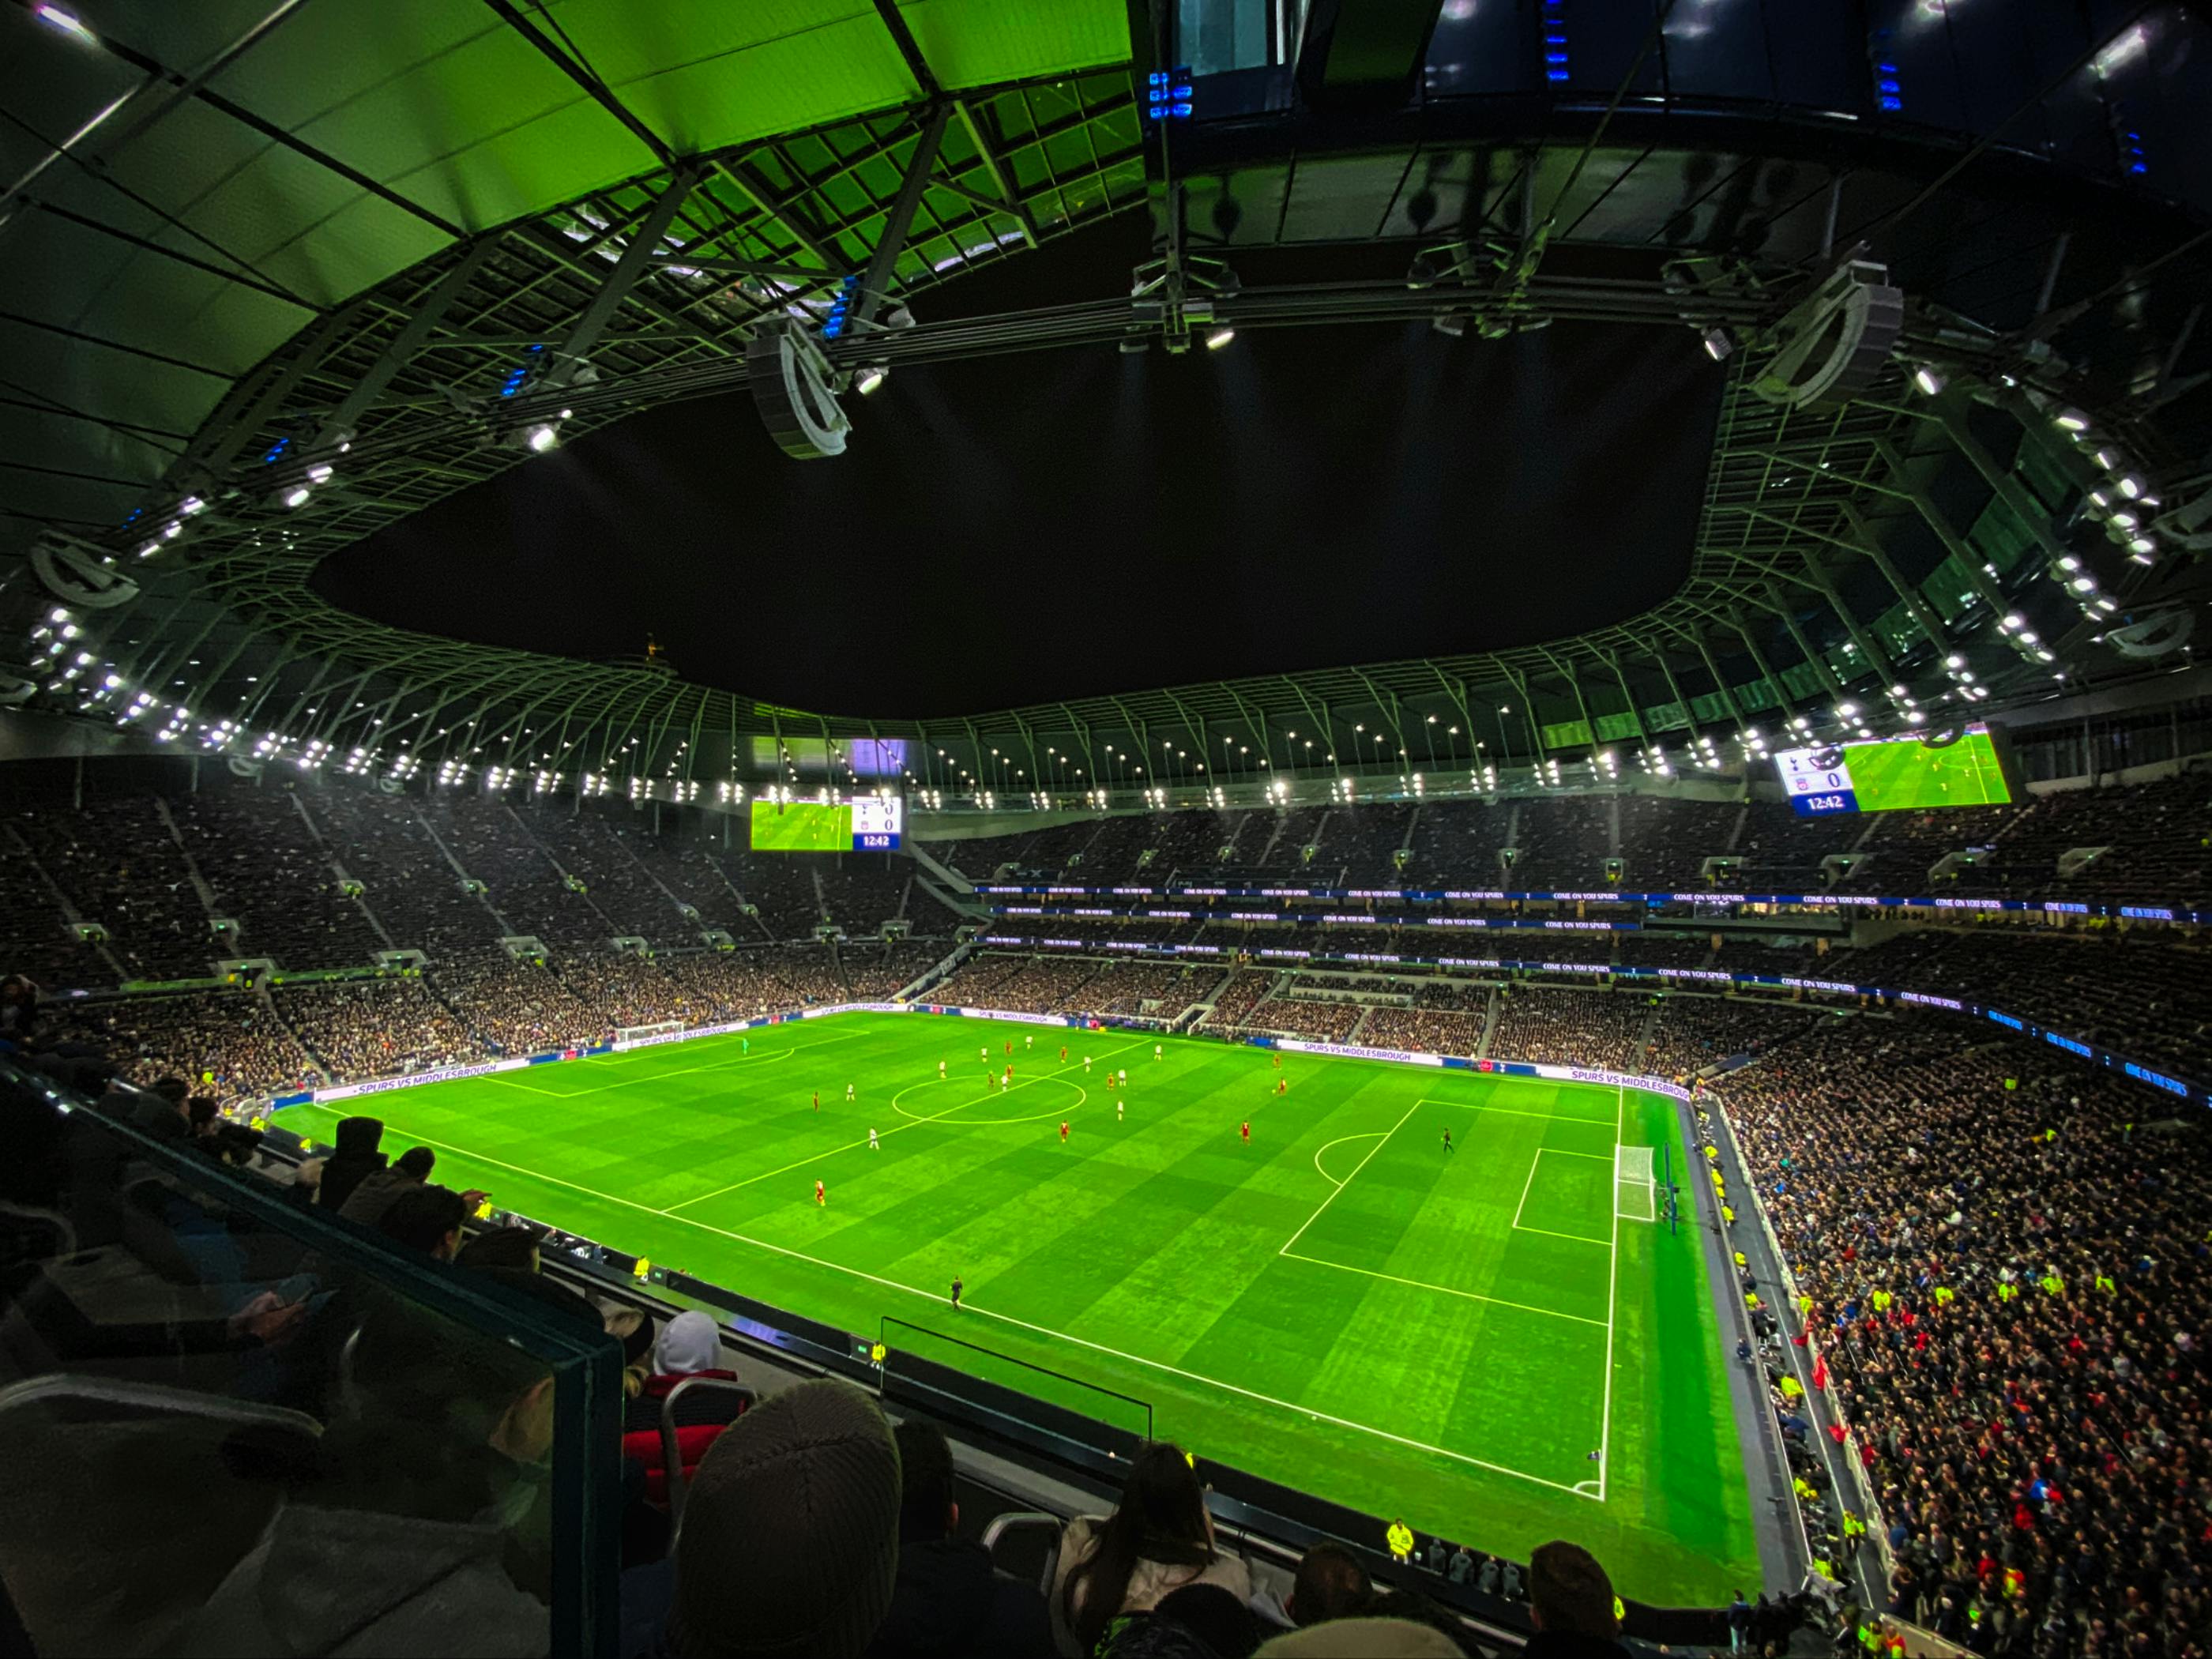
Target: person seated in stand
<point>950,1602</point>
<point>1570,1602</point>
<point>689,1346</point>
<point>1160,1539</point>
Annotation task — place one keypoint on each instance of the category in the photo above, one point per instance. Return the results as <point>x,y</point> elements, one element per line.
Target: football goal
<point>632,1033</point>
<point>1635,1191</point>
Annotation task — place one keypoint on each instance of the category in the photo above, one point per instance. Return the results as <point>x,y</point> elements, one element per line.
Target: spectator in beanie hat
<point>789,1547</point>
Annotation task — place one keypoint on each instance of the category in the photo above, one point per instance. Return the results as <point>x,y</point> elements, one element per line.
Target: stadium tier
<point>1443,890</point>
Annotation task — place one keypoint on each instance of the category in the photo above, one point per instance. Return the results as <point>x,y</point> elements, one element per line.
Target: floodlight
<point>67,22</point>
<point>1927,380</point>
<point>1719,343</point>
<point>1220,337</point>
<point>541,437</point>
<point>869,379</point>
<point>297,496</point>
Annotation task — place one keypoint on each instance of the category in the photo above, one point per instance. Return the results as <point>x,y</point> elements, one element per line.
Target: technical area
<point>1391,812</point>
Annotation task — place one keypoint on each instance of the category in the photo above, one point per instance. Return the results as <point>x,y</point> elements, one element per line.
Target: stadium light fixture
<point>2071,420</point>
<point>541,437</point>
<point>1220,337</point>
<point>297,496</point>
<point>1719,344</point>
<point>67,23</point>
<point>871,378</point>
<point>1927,380</point>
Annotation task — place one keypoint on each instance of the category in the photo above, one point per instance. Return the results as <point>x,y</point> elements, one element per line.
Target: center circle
<point>957,1113</point>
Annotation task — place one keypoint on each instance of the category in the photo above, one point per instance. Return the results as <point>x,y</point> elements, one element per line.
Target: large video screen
<point>865,824</point>
<point>1890,774</point>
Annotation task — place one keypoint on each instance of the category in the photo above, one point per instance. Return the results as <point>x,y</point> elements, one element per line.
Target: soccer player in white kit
<point>871,1142</point>
<point>848,1091</point>
<point>1156,1051</point>
<point>940,1070</point>
<point>1118,1105</point>
<point>1086,1064</point>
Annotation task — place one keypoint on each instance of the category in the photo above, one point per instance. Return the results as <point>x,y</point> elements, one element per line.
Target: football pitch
<point>1469,1339</point>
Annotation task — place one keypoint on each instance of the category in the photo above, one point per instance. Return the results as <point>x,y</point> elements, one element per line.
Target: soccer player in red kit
<point>1010,1075</point>
<point>1063,1132</point>
<point>1063,1054</point>
<point>1247,1132</point>
<point>1010,1045</point>
<point>818,1100</point>
<point>1278,1062</point>
<point>821,1196</point>
<point>1282,1085</point>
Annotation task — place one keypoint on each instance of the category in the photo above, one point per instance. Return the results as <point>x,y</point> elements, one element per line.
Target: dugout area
<point>1476,1338</point>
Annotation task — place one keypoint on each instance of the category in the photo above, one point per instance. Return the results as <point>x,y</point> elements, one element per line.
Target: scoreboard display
<point>1889,775</point>
<point>878,821</point>
<point>861,824</point>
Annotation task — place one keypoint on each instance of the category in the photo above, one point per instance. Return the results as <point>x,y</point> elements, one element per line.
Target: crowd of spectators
<point>123,868</point>
<point>1694,1032</point>
<point>1247,987</point>
<point>2005,1263</point>
<point>1571,1028</point>
<point>224,1043</point>
<point>357,1029</point>
<point>514,1005</point>
<point>2145,992</point>
<point>267,873</point>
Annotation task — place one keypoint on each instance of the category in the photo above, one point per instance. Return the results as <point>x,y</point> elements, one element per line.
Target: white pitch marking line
<point>1339,1141</point>
<point>1527,1185</point>
<point>1446,1289</point>
<point>1381,1142</point>
<point>711,1065</point>
<point>1509,1111</point>
<point>1612,1289</point>
<point>936,1297</point>
<point>1082,1094</point>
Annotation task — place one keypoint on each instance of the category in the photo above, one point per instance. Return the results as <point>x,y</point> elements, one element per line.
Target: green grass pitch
<point>1340,1305</point>
<point>1893,776</point>
<point>801,826</point>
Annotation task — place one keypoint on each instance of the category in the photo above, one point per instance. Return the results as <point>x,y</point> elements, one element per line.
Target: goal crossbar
<point>1635,1188</point>
<point>631,1033</point>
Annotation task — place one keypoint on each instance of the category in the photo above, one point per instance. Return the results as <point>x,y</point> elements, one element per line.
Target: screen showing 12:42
<point>1894,774</point>
<point>865,823</point>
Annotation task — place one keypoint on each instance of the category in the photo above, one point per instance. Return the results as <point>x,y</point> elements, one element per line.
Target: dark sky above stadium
<point>1020,529</point>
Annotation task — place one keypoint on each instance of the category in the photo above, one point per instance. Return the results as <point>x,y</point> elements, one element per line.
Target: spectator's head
<point>174,1090</point>
<point>1330,1584</point>
<point>790,1539</point>
<point>690,1345</point>
<point>416,1162</point>
<point>927,1510</point>
<point>1569,1592</point>
<point>202,1112</point>
<point>502,1247</point>
<point>426,1219</point>
<point>1162,1517</point>
<point>357,1137</point>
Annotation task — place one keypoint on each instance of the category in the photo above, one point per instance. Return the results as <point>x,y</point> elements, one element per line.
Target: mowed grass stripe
<point>1145,1255</point>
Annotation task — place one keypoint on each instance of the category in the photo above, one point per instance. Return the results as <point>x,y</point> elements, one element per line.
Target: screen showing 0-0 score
<point>1892,775</point>
<point>864,823</point>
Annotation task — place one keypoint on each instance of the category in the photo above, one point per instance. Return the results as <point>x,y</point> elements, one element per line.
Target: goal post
<point>1635,1189</point>
<point>659,1028</point>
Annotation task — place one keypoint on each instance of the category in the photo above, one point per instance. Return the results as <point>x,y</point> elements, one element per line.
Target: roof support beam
<point>636,260</point>
<point>421,321</point>
<point>883,263</point>
<point>1000,180</point>
<point>595,89</point>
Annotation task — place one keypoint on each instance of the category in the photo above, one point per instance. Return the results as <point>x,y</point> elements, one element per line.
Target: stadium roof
<point>282,273</point>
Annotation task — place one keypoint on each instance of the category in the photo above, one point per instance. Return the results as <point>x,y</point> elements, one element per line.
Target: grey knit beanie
<point>790,1541</point>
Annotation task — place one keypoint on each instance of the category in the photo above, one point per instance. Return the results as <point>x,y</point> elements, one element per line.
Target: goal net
<point>1635,1191</point>
<point>632,1033</point>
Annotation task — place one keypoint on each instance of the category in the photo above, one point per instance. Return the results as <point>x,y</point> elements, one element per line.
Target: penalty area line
<point>935,1297</point>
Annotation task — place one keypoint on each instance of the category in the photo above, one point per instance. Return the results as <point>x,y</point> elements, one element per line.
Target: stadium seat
<point>695,1411</point>
<point>126,1504</point>
<point>1010,1536</point>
